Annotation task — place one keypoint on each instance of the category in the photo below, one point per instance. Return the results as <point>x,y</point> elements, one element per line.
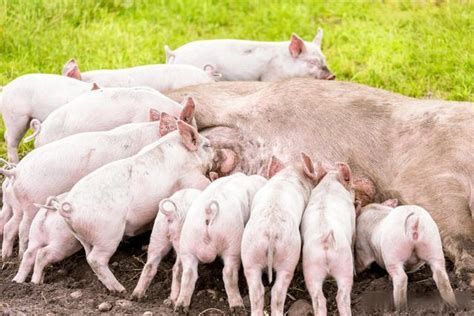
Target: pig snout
<point>326,74</point>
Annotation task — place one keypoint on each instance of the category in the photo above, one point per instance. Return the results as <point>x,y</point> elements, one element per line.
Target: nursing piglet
<point>7,212</point>
<point>272,238</point>
<point>240,60</point>
<point>123,195</point>
<point>54,168</point>
<point>103,110</point>
<point>34,96</point>
<point>214,227</point>
<point>51,241</point>
<point>328,232</point>
<point>399,238</point>
<point>159,77</point>
<point>165,234</point>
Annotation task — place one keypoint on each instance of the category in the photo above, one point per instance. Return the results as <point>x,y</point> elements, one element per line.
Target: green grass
<point>417,49</point>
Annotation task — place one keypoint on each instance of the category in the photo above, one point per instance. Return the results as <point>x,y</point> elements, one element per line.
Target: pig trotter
<point>238,310</point>
<point>169,302</point>
<point>181,310</point>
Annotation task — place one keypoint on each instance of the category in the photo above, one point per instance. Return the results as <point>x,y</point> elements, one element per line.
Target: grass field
<point>423,49</point>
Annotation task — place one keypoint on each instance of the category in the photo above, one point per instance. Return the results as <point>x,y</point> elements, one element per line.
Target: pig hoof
<point>136,297</point>
<point>168,302</point>
<point>181,310</point>
<point>238,310</point>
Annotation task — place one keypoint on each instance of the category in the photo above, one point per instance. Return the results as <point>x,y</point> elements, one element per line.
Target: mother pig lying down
<point>419,151</point>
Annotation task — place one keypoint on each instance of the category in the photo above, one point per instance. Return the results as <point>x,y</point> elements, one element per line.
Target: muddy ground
<point>371,293</point>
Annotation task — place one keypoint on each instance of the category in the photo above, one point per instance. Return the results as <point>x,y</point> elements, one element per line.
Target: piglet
<point>56,167</point>
<point>272,238</point>
<point>328,231</point>
<point>159,77</point>
<point>105,109</point>
<point>165,234</point>
<point>7,212</point>
<point>398,239</point>
<point>214,227</point>
<point>240,60</point>
<point>51,241</point>
<point>123,195</point>
<point>34,96</point>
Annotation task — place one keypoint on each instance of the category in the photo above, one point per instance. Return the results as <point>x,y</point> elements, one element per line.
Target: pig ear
<point>308,166</point>
<point>318,38</point>
<point>167,123</point>
<point>189,136</point>
<point>228,160</point>
<point>168,208</point>
<point>391,202</point>
<point>296,45</point>
<point>187,113</point>
<point>71,69</point>
<point>274,166</point>
<point>154,115</point>
<point>211,71</point>
<point>344,174</point>
<point>95,86</point>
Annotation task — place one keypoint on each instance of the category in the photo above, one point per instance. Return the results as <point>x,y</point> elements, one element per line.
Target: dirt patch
<point>371,294</point>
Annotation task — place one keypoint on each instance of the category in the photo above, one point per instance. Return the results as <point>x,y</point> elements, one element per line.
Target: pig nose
<point>331,76</point>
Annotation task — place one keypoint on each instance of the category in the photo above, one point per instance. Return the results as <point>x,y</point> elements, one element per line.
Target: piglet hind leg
<point>343,298</point>
<point>16,128</point>
<point>149,270</point>
<point>24,233</point>
<point>230,274</point>
<point>175,283</point>
<point>26,265</point>
<point>98,259</point>
<point>9,235</point>
<point>279,289</point>
<point>188,282</point>
<point>253,276</point>
<point>400,283</point>
<point>314,279</point>
<point>46,255</point>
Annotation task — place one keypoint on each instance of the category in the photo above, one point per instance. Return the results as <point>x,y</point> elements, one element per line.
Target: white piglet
<point>240,60</point>
<point>159,77</point>
<point>214,227</point>
<point>7,212</point>
<point>34,96</point>
<point>398,239</point>
<point>104,109</point>
<point>123,195</point>
<point>165,234</point>
<point>272,238</point>
<point>328,232</point>
<point>56,167</point>
<point>51,241</point>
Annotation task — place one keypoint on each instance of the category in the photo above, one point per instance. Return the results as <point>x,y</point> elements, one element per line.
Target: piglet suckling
<point>214,228</point>
<point>123,195</point>
<point>398,239</point>
<point>50,241</point>
<point>272,238</point>
<point>328,231</point>
<point>165,234</point>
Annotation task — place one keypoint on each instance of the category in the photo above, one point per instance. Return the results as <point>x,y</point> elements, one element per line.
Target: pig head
<point>419,151</point>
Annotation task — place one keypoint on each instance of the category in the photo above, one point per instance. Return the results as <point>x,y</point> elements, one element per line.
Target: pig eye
<point>206,145</point>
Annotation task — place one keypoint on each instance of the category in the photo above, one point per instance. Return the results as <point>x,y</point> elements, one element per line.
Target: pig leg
<point>155,254</point>
<point>344,286</point>
<point>24,233</point>
<point>26,265</point>
<point>230,275</point>
<point>175,282</point>
<point>9,234</point>
<point>400,282</point>
<point>16,128</point>
<point>98,259</point>
<point>253,276</point>
<point>279,289</point>
<point>188,282</point>
<point>314,275</point>
<point>5,215</point>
